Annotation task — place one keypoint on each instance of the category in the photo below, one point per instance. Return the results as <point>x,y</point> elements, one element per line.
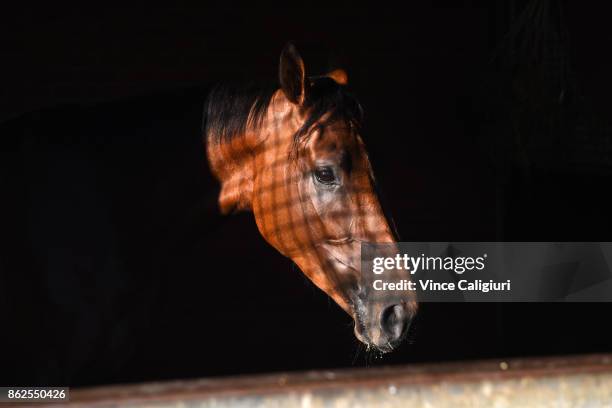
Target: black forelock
<point>326,96</point>
<point>231,107</point>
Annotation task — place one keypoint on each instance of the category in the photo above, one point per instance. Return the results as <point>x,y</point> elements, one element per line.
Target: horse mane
<point>231,107</point>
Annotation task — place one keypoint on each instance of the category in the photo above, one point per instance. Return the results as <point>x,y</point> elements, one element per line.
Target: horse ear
<point>339,75</point>
<point>292,75</point>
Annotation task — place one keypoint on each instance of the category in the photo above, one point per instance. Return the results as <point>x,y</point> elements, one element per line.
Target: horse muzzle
<point>383,325</point>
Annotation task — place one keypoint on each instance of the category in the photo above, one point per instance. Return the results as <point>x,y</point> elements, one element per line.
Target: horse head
<point>294,156</point>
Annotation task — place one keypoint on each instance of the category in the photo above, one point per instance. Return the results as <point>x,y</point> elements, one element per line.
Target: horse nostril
<point>394,322</point>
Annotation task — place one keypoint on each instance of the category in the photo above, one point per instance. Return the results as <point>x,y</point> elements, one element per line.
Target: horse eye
<point>325,175</point>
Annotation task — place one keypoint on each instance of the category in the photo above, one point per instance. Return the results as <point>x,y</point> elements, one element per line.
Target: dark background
<point>485,121</point>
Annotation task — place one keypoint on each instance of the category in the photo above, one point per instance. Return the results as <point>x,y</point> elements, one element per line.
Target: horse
<point>113,225</point>
<point>294,156</point>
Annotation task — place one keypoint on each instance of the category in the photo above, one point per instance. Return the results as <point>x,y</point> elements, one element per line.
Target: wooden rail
<point>584,381</point>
